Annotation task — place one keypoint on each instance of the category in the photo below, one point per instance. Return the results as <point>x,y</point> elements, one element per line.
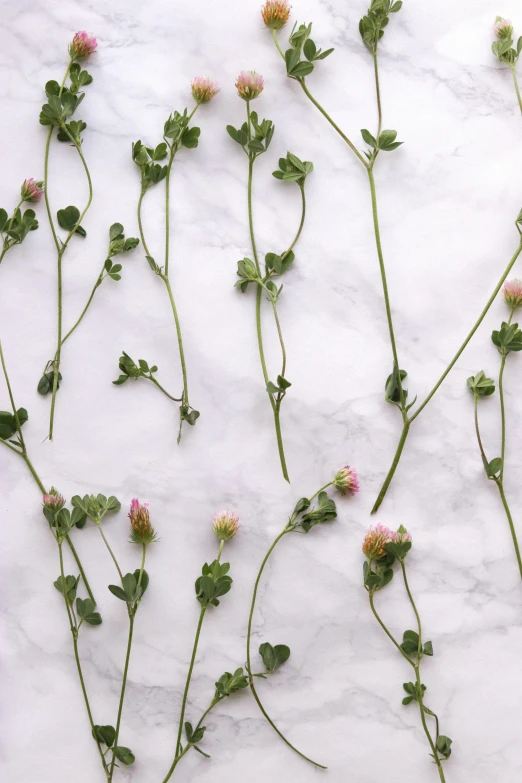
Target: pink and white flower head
<point>503,28</point>
<point>203,89</point>
<point>401,536</point>
<point>275,13</point>
<point>249,85</point>
<point>346,481</point>
<point>32,190</point>
<point>375,540</point>
<point>53,500</point>
<point>141,531</point>
<point>513,293</point>
<point>82,45</point>
<point>226,525</point>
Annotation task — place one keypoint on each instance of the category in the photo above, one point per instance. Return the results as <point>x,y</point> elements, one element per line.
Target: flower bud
<point>53,501</point>
<point>249,85</point>
<point>225,525</point>
<point>32,190</point>
<point>375,540</point>
<point>513,293</point>
<point>503,28</point>
<point>203,89</point>
<point>82,45</point>
<point>141,531</point>
<point>401,536</point>
<point>346,481</point>
<point>275,13</point>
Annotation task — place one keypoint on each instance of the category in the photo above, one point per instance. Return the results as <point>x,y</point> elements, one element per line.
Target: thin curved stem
<point>422,711</point>
<point>140,224</point>
<point>189,678</point>
<point>248,657</point>
<point>393,468</point>
<point>89,300</point>
<point>156,383</point>
<point>386,631</point>
<point>189,745</point>
<point>517,89</point>
<point>280,335</point>
<point>301,223</point>
<point>377,93</point>
<point>412,602</point>
<point>61,251</point>
<point>502,415</point>
<point>110,551</point>
<point>122,693</point>
<point>511,524</point>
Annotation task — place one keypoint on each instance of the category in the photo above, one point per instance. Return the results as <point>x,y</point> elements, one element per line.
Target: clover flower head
<point>141,531</point>
<point>375,540</point>
<point>53,500</point>
<point>275,13</point>
<point>32,190</point>
<point>82,45</point>
<point>203,89</point>
<point>401,536</point>
<point>503,28</point>
<point>226,525</point>
<point>249,85</point>
<point>346,481</point>
<point>513,293</point>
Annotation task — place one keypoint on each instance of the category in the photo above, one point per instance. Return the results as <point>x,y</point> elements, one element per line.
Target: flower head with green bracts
<point>346,481</point>
<point>375,541</point>
<point>82,46</point>
<point>53,501</point>
<point>275,13</point>
<point>204,89</point>
<point>141,531</point>
<point>226,525</point>
<point>249,85</point>
<point>512,293</point>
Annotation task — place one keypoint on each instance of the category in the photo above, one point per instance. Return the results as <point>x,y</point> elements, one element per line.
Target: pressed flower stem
<point>132,613</point>
<point>275,405</point>
<point>61,248</point>
<point>286,530</point>
<point>189,745</point>
<point>179,752</point>
<point>23,453</point>
<point>517,89</point>
<point>74,634</point>
<point>502,405</point>
<point>100,528</point>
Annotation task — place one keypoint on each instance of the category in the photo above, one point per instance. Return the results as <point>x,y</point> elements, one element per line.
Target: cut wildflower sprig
<point>303,518</point>
<point>507,339</point>
<point>505,51</point>
<point>14,229</point>
<point>383,547</point>
<point>62,102</point>
<point>301,59</point>
<point>177,133</point>
<point>213,583</point>
<point>254,137</point>
<point>118,245</point>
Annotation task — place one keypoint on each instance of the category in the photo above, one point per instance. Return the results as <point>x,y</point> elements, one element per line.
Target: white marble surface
<point>448,199</point>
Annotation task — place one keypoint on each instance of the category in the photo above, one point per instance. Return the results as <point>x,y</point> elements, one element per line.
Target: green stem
<point>519,97</point>
<point>248,658</point>
<point>511,525</point>
<point>189,745</point>
<point>89,300</point>
<point>80,568</point>
<point>122,693</point>
<point>425,725</point>
<point>189,677</point>
<point>180,341</point>
<point>140,224</point>
<point>155,382</point>
<point>502,415</point>
<point>110,551</point>
<point>386,631</point>
<point>377,93</point>
<point>74,634</point>
<point>412,602</point>
<point>61,251</point>
<point>6,245</point>
<point>391,472</point>
<point>332,123</point>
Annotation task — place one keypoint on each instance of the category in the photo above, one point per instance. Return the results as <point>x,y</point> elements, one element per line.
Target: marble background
<point>448,199</point>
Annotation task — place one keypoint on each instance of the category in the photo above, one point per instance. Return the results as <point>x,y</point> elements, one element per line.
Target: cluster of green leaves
<point>302,46</point>
<point>247,273</point>
<point>505,50</point>
<point>194,736</point>
<point>85,611</point>
<point>378,573</point>
<point>129,369</point>
<point>278,389</point>
<point>15,229</point>
<point>481,386</point>
<point>260,141</point>
<point>62,103</point>
<point>68,219</point>
<point>62,521</point>
<point>293,169</point>
<point>84,607</point>
<point>410,646</point>
<point>395,392</point>
<point>130,591</point>
<point>213,583</point>
<point>117,245</point>
<point>273,656</point>
<point>371,26</point>
<point>106,736</point>
<point>385,143</point>
<point>277,265</point>
<point>302,522</point>
<point>96,506</point>
<point>230,683</point>
<point>176,134</point>
<point>415,693</point>
<point>508,338</point>
<point>9,427</point>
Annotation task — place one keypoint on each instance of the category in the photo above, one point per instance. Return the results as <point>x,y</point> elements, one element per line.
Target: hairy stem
<point>517,89</point>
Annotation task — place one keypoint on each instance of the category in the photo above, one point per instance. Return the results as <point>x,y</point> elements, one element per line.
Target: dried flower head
<point>346,481</point>
<point>249,85</point>
<point>141,531</point>
<point>82,45</point>
<point>275,13</point>
<point>226,525</point>
<point>401,536</point>
<point>53,500</point>
<point>503,28</point>
<point>513,293</point>
<point>375,540</point>
<point>32,190</point>
<point>203,89</point>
